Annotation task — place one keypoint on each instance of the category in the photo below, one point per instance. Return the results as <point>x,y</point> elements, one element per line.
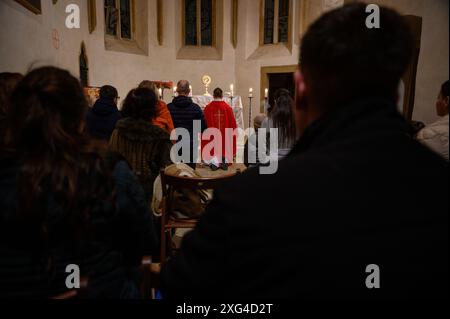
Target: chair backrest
<point>169,182</point>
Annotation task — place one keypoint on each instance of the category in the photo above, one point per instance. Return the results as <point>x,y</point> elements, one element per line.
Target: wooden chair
<point>168,220</point>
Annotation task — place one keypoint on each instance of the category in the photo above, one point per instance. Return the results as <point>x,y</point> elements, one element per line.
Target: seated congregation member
<point>101,119</point>
<point>62,202</point>
<point>219,115</point>
<point>8,82</point>
<point>282,118</point>
<point>435,136</point>
<point>251,157</point>
<point>145,146</point>
<point>184,114</point>
<point>344,209</point>
<point>162,118</point>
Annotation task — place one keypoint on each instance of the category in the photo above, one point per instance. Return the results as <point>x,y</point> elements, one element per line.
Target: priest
<point>219,150</point>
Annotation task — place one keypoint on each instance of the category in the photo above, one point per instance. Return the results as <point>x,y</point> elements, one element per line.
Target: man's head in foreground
<point>342,60</point>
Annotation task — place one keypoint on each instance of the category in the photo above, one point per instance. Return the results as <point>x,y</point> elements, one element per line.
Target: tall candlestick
<point>232,89</point>
<point>250,92</point>
<point>266,93</point>
<point>250,112</point>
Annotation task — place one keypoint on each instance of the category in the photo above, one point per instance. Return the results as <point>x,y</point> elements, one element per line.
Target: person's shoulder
<point>209,106</point>
<point>195,106</point>
<point>161,106</point>
<point>159,133</point>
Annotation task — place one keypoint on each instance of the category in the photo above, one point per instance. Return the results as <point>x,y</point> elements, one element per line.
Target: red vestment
<point>219,114</point>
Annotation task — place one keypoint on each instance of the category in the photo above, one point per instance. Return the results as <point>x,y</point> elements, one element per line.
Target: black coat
<point>184,112</point>
<point>355,191</point>
<point>101,119</point>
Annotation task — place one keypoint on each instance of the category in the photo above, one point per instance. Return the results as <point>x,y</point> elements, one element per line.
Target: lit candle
<point>160,93</point>
<point>174,91</point>
<point>266,93</point>
<point>250,92</point>
<point>232,89</point>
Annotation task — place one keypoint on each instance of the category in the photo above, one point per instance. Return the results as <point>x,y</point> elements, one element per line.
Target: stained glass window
<point>283,21</point>
<point>190,22</point>
<point>110,17</point>
<point>207,16</point>
<point>199,22</point>
<point>276,21</point>
<point>125,19</point>
<point>269,14</point>
<point>118,18</point>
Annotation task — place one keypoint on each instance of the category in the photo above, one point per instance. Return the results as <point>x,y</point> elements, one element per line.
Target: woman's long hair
<point>282,116</point>
<point>8,82</point>
<point>60,171</point>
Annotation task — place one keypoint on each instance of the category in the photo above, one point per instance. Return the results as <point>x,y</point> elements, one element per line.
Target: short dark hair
<point>218,93</point>
<point>140,104</point>
<point>183,87</point>
<point>345,60</point>
<point>108,92</point>
<point>445,89</point>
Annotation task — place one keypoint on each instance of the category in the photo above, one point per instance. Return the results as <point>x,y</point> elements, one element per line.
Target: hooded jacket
<point>102,118</point>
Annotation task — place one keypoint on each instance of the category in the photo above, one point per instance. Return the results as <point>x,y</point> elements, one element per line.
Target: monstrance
<point>206,80</point>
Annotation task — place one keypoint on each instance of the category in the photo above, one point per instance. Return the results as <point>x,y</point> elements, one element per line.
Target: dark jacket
<point>101,119</point>
<point>356,190</point>
<point>145,146</point>
<point>184,112</point>
<point>121,232</point>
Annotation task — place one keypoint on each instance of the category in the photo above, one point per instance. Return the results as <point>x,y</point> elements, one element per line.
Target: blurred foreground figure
<point>348,196</point>
<point>62,203</point>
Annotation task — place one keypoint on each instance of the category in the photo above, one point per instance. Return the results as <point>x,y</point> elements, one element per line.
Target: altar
<point>236,106</point>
